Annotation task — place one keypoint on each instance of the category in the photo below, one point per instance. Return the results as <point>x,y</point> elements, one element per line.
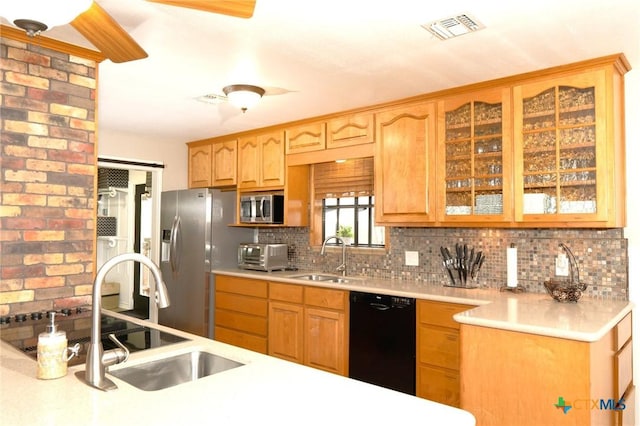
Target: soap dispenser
<point>53,353</point>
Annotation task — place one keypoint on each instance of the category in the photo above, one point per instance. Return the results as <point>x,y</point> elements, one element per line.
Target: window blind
<point>351,178</point>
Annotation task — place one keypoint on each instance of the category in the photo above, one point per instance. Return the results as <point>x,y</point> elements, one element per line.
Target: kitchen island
<point>263,390</point>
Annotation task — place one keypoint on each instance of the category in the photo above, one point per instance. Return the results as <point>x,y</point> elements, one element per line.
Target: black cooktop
<point>22,332</point>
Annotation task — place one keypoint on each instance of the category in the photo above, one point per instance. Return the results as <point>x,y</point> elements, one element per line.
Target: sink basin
<point>322,277</point>
<point>315,277</point>
<point>172,371</point>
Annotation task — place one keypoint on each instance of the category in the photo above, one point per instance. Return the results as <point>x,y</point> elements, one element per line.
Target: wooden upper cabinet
<point>349,130</point>
<point>475,162</point>
<point>405,164</point>
<point>569,149</point>
<point>224,163</point>
<point>305,138</point>
<point>248,162</point>
<point>261,161</point>
<point>199,166</point>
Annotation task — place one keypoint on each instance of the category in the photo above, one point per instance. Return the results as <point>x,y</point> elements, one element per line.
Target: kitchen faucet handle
<point>115,356</point>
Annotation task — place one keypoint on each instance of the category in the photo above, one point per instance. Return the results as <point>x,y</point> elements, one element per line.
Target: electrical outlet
<point>562,265</point>
<point>411,258</point>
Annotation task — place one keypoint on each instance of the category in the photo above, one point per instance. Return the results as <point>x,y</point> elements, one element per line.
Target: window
<point>353,218</point>
<point>345,202</point>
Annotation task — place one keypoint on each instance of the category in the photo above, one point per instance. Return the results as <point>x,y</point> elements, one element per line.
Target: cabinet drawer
<point>623,332</point>
<point>623,369</point>
<point>439,347</point>
<point>440,313</point>
<point>243,340</point>
<point>325,298</point>
<point>241,322</point>
<point>244,304</point>
<point>244,286</point>
<point>437,384</point>
<point>286,292</point>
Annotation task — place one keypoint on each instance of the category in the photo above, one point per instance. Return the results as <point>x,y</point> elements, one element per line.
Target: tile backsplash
<point>601,256</point>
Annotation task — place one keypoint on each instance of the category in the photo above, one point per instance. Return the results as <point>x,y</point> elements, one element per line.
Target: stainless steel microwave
<point>262,208</point>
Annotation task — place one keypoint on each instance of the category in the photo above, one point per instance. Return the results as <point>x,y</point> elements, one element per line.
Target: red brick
<point>53,293</point>
<point>66,224</point>
<point>72,302</point>
<point>28,57</point>
<point>13,65</point>
<point>69,156</point>
<point>80,213</point>
<point>23,223</point>
<point>67,269</point>
<point>44,282</point>
<point>12,272</point>
<point>26,80</point>
<point>10,235</point>
<point>26,103</point>
<point>47,95</point>
<point>24,199</point>
<point>66,133</point>
<point>84,147</point>
<point>43,235</point>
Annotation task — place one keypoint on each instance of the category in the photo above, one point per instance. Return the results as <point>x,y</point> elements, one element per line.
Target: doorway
<point>129,202</point>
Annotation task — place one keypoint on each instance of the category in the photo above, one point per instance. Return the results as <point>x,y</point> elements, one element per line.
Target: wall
<point>47,175</point>
<point>132,146</point>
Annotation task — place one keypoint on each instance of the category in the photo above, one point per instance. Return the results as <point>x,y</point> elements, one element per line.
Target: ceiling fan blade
<point>237,8</point>
<point>97,26</point>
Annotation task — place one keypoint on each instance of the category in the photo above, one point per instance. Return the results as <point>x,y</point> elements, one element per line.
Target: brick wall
<point>47,178</point>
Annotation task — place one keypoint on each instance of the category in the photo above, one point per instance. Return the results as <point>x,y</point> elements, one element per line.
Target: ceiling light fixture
<point>244,96</point>
<point>452,27</point>
<point>35,16</point>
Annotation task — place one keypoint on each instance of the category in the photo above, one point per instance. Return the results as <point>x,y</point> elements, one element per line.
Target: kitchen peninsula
<point>264,390</point>
<point>481,348</point>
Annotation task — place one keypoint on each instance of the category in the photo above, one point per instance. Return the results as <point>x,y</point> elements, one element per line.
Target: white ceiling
<point>333,55</point>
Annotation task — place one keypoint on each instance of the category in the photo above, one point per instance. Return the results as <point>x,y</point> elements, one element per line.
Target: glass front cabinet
<point>569,150</point>
<point>474,143</point>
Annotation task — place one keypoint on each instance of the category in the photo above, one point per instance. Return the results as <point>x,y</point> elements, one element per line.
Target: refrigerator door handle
<point>174,254</point>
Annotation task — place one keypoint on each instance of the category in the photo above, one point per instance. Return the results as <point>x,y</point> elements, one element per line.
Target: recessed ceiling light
<point>454,26</point>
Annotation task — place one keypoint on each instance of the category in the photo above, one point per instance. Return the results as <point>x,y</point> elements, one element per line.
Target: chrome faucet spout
<point>343,266</point>
<point>97,358</point>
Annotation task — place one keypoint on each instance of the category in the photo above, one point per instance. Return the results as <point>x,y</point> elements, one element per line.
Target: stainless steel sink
<point>322,277</point>
<point>172,371</point>
<point>315,277</point>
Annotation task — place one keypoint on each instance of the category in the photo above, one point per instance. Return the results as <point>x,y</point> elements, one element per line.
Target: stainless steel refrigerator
<point>195,239</point>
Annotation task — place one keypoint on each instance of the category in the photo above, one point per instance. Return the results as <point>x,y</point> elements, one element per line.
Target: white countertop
<point>265,390</point>
<point>587,320</point>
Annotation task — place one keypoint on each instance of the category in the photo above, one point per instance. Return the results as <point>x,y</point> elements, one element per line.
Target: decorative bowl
<point>564,291</point>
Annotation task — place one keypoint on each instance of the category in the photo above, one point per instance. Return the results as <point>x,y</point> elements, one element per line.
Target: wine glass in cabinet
<point>564,147</point>
<point>474,143</point>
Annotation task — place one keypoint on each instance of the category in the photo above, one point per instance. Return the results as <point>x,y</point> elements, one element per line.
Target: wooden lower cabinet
<point>241,308</point>
<point>286,321</point>
<point>517,378</point>
<point>308,325</point>
<point>438,351</point>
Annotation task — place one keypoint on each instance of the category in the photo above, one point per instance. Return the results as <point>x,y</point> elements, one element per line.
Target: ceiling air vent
<point>452,27</point>
<point>212,99</point>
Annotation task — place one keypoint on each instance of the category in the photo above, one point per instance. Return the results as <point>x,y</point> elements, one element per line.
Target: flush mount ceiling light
<point>454,26</point>
<point>244,96</point>
<point>35,16</point>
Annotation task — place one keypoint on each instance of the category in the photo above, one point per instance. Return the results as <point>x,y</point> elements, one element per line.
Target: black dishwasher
<point>382,340</point>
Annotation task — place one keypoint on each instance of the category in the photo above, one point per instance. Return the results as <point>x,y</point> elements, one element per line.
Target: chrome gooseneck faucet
<point>97,358</point>
<point>343,266</point>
